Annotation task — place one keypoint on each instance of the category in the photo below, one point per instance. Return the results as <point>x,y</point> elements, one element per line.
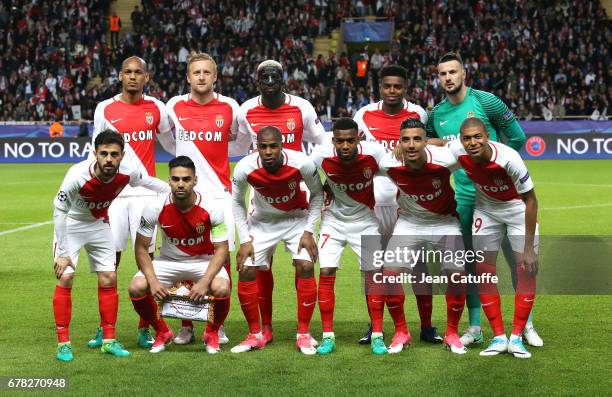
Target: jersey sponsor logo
<point>493,189</point>
<point>425,197</point>
<point>388,144</point>
<point>535,146</point>
<point>291,123</point>
<point>353,187</point>
<point>443,122</point>
<point>279,199</point>
<point>524,178</point>
<point>436,183</point>
<point>62,196</point>
<point>200,228</point>
<point>367,172</point>
<point>219,121</point>
<point>149,118</point>
<point>289,138</point>
<point>292,184</point>
<point>138,136</point>
<point>209,136</point>
<point>185,242</point>
<point>115,120</point>
<point>92,205</point>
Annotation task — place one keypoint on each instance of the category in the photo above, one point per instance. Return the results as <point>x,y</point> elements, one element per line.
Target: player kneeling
<point>505,203</point>
<point>427,215</point>
<point>194,247</point>
<point>81,220</point>
<point>280,212</point>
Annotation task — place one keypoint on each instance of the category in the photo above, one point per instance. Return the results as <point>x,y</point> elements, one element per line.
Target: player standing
<point>280,212</point>
<point>350,168</point>
<point>139,118</point>
<point>427,214</point>
<point>506,204</point>
<point>194,248</point>
<point>297,120</point>
<point>381,122</point>
<point>462,102</point>
<point>203,122</point>
<point>81,220</point>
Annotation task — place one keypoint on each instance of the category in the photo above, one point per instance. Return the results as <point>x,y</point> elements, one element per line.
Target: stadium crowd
<point>544,60</point>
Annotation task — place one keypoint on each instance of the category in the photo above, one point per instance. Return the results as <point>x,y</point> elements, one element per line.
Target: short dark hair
<point>108,137</point>
<point>345,123</point>
<point>472,122</point>
<point>394,70</point>
<point>271,130</point>
<point>182,161</point>
<point>412,123</point>
<point>451,56</point>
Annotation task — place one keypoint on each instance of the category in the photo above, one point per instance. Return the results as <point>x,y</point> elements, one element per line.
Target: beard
<point>455,90</point>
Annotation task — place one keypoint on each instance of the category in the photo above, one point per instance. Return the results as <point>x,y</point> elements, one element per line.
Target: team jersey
<point>376,125</point>
<point>499,182</point>
<point>296,119</point>
<point>139,123</point>
<point>86,199</point>
<point>278,195</point>
<point>203,134</point>
<point>425,194</point>
<point>352,183</point>
<point>186,236</point>
<point>445,120</point>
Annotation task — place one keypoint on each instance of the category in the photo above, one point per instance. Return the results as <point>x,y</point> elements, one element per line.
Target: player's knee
<point>138,287</point>
<point>304,269</point>
<point>328,271</point>
<point>107,279</point>
<point>66,280</point>
<point>220,287</point>
<point>249,273</point>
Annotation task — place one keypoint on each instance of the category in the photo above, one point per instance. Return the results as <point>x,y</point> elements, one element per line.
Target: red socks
<point>455,301</point>
<point>424,299</point>
<point>306,300</point>
<point>395,297</point>
<point>221,308</point>
<point>248,292</point>
<point>523,299</point>
<point>489,298</point>
<point>327,302</point>
<point>108,303</point>
<point>376,301</point>
<point>146,307</point>
<point>265,283</point>
<point>62,311</point>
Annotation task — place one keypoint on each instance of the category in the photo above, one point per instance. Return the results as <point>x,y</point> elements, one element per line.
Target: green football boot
<point>115,348</point>
<point>64,352</point>
<point>378,345</point>
<point>97,340</point>
<point>328,345</point>
<point>145,339</point>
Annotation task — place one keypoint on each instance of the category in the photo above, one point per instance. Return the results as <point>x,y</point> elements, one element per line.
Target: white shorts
<point>489,228</point>
<point>334,234</point>
<point>98,244</point>
<point>444,236</point>
<point>170,272</point>
<point>124,216</point>
<point>387,216</point>
<point>265,235</point>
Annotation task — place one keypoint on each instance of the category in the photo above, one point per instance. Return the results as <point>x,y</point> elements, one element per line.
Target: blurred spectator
<point>114,27</point>
<point>56,130</point>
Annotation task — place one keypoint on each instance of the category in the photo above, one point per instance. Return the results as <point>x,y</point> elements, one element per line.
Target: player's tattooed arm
<point>145,265</point>
<point>530,258</point>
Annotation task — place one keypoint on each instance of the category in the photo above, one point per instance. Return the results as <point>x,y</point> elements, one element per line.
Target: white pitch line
<point>572,207</point>
<point>18,229</point>
<point>573,184</point>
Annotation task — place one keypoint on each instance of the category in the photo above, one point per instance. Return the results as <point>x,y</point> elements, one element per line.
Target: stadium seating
<point>549,62</point>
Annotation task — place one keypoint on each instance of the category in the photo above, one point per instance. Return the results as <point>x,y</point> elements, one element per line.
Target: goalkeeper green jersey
<point>445,120</point>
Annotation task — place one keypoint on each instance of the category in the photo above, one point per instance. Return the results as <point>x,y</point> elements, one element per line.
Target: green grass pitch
<point>575,197</point>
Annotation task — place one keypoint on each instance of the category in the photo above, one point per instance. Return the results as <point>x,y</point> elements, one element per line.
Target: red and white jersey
<point>352,183</point>
<point>186,236</point>
<point>139,123</point>
<point>278,195</point>
<point>425,194</point>
<point>376,125</point>
<point>296,119</point>
<point>499,182</point>
<point>86,198</point>
<point>203,134</point>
